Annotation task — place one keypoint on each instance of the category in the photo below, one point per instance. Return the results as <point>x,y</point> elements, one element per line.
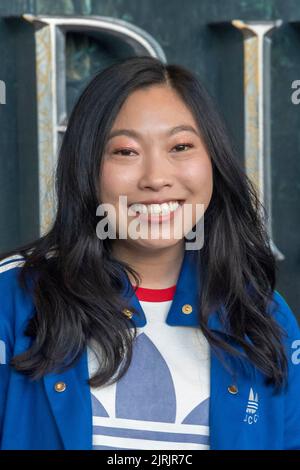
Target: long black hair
<point>77,287</point>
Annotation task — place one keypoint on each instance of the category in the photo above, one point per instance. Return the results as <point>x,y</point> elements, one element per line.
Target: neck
<point>158,268</point>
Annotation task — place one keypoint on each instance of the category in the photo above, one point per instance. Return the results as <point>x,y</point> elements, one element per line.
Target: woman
<point>112,338</point>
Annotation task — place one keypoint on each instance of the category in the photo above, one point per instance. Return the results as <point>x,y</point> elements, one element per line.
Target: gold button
<point>233,389</point>
<point>60,386</point>
<point>187,308</point>
<point>127,312</point>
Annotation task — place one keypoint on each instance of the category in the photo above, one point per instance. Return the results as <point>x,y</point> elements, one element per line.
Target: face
<point>156,158</point>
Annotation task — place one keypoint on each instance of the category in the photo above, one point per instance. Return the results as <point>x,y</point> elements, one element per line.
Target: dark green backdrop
<point>182,29</point>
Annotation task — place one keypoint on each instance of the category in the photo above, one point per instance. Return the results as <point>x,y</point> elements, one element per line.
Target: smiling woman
<point>133,342</point>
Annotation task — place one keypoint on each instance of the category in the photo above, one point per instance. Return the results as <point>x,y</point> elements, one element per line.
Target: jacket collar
<point>187,293</point>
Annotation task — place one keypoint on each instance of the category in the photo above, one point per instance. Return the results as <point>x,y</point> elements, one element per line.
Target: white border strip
<point>9,266</point>
<point>151,426</point>
<point>140,444</point>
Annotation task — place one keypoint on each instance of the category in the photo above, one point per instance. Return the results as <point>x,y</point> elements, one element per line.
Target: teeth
<point>165,208</point>
<point>156,209</point>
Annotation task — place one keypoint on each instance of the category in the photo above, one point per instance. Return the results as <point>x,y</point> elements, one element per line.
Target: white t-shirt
<point>162,402</point>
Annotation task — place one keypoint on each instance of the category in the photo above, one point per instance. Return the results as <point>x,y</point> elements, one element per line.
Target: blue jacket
<point>33,415</point>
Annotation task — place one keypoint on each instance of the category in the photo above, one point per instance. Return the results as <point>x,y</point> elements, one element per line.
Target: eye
<point>183,145</point>
<point>125,152</point>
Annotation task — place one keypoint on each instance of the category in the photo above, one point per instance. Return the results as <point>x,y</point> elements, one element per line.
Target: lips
<point>155,213</point>
<point>162,209</point>
<point>159,201</point>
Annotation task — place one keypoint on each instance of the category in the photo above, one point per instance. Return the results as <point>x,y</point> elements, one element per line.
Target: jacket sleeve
<point>290,324</point>
<point>6,337</point>
<point>15,307</point>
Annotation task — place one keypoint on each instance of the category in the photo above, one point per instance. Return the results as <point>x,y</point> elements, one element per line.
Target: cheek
<point>114,182</point>
<point>200,177</point>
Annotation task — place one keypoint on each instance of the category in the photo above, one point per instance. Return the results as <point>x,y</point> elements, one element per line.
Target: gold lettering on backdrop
<point>257,97</point>
<point>50,38</point>
<point>2,92</point>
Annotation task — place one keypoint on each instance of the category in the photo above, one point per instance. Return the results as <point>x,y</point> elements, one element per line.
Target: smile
<point>165,208</point>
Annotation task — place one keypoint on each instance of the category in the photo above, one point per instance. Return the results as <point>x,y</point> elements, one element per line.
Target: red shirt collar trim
<point>155,295</point>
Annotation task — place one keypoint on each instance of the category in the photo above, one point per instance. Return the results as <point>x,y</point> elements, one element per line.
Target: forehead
<point>154,106</point>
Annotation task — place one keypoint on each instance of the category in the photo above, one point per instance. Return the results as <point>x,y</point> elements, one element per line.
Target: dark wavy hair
<point>77,291</point>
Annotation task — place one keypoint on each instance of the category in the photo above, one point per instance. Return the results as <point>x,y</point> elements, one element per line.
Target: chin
<point>156,244</point>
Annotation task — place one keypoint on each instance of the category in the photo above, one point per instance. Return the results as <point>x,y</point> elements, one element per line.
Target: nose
<point>156,173</point>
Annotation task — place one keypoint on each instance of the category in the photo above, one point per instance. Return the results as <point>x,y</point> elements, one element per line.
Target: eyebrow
<point>137,135</point>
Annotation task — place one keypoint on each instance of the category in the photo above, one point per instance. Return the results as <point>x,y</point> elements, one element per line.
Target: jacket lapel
<point>228,429</point>
<point>72,408</point>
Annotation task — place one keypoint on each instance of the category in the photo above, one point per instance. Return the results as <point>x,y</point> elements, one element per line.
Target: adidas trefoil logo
<point>251,415</point>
